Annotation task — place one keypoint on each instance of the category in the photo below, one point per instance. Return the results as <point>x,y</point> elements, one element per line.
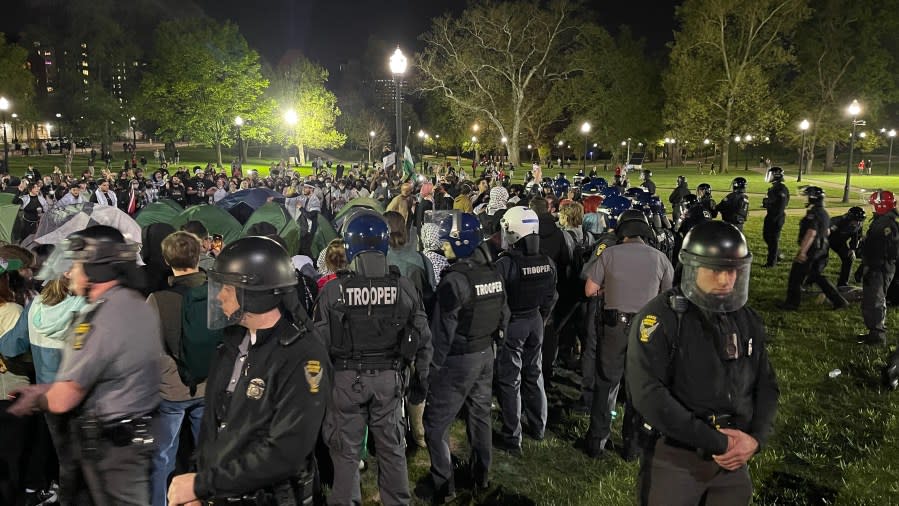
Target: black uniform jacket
<point>266,432</point>
<point>676,391</point>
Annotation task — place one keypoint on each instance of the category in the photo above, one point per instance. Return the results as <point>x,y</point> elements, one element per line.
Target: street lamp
<point>892,135</point>
<point>803,127</point>
<point>854,110</point>
<point>421,148</point>
<point>585,129</point>
<point>747,142</point>
<point>398,64</point>
<point>371,140</point>
<point>4,106</point>
<point>291,118</point>
<point>238,122</point>
<point>131,121</point>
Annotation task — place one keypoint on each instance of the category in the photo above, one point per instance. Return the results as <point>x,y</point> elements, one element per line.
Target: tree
<point>202,76</point>
<point>499,60</point>
<point>721,63</point>
<point>17,84</point>
<point>300,86</point>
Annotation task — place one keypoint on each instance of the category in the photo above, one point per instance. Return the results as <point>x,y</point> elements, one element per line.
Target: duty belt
<point>293,492</point>
<point>715,421</point>
<point>368,365</point>
<point>614,317</point>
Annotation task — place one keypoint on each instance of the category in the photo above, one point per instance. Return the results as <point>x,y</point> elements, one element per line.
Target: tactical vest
<point>368,324</point>
<point>533,277</point>
<point>479,318</point>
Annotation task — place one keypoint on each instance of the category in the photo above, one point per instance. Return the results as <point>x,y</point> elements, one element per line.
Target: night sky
<point>334,31</point>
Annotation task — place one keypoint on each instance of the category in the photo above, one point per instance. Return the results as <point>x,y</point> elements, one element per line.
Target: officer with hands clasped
<point>267,389</point>
<point>530,281</point>
<point>699,374</point>
<point>470,315</point>
<point>107,382</point>
<point>377,328</point>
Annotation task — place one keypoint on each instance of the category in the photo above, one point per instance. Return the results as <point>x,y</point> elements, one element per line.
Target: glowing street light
<point>854,110</point>
<point>371,140</point>
<point>892,135</point>
<point>4,106</point>
<point>398,63</point>
<point>238,122</point>
<point>131,121</point>
<point>803,127</point>
<point>290,117</point>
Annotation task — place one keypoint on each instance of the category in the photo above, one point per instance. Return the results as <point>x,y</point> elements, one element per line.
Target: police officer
<point>704,193</point>
<point>530,279</point>
<point>879,258</point>
<point>267,389</point>
<point>677,196</point>
<point>811,259</point>
<point>627,275</point>
<point>698,373</point>
<point>108,381</point>
<point>845,237</point>
<point>734,208</point>
<point>561,185</point>
<point>471,312</point>
<point>377,327</point>
<point>775,204</point>
<point>647,182</point>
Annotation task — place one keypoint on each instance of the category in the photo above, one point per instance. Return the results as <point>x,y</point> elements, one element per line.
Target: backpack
<point>197,342</point>
<point>580,254</point>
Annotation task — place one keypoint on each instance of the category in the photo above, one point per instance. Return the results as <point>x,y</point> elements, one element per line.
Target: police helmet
<point>103,251</point>
<point>613,206</point>
<point>883,201</point>
<point>776,175</point>
<point>705,189</point>
<point>646,174</point>
<point>681,179</point>
<point>738,184</point>
<point>561,185</point>
<point>547,182</point>
<point>633,223</point>
<point>366,232</point>
<point>656,204</point>
<point>689,199</point>
<point>462,231</point>
<point>518,223</point>
<point>635,193</point>
<point>856,213</point>
<point>610,191</point>
<point>712,252</point>
<point>600,182</point>
<point>814,194</point>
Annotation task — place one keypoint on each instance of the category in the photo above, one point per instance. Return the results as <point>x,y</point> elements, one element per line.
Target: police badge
<point>313,370</point>
<point>256,389</point>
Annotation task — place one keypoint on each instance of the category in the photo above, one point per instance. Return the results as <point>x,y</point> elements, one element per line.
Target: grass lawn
<point>836,440</point>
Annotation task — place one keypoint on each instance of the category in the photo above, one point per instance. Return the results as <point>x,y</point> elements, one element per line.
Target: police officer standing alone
<point>879,258</point>
<point>775,204</point>
<point>734,208</point>
<point>677,196</point>
<point>530,280</point>
<point>704,193</point>
<point>698,372</point>
<point>647,182</point>
<point>377,327</point>
<point>470,314</point>
<point>811,259</point>
<point>845,237</point>
<point>108,381</point>
<point>627,275</point>
<point>267,389</point>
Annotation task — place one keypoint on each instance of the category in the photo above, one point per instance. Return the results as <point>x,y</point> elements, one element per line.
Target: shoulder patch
<point>84,327</point>
<point>649,325</point>
<point>599,249</point>
<point>313,370</point>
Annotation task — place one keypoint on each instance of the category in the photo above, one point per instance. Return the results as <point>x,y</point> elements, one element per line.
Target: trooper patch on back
<point>371,296</point>
<point>538,269</point>
<point>488,288</point>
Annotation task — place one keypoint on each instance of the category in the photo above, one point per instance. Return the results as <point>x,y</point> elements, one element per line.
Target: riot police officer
<point>530,280</point>
<point>811,259</point>
<point>268,385</point>
<point>647,182</point>
<point>470,314</point>
<point>879,258</point>
<point>775,204</point>
<point>734,208</point>
<point>628,275</point>
<point>677,196</point>
<point>561,185</point>
<point>376,325</point>
<point>845,237</point>
<point>704,193</point>
<point>108,381</point>
<point>698,372</point>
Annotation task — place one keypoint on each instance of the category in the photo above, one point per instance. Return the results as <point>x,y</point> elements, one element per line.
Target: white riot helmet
<point>517,223</point>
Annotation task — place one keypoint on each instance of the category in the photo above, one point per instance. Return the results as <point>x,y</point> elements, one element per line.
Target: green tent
<point>215,219</point>
<point>6,198</point>
<point>162,211</point>
<point>277,215</point>
<point>360,202</point>
<point>323,236</point>
<point>8,214</point>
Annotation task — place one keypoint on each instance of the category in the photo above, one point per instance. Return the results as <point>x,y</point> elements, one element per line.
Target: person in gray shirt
<point>109,378</point>
<point>628,275</point>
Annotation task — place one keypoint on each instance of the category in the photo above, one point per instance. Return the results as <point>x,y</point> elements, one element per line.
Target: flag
<point>408,163</point>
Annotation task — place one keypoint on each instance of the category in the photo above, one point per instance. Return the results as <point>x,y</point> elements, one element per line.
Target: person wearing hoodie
<point>463,201</point>
<point>425,203</point>
<point>402,203</point>
<point>156,272</point>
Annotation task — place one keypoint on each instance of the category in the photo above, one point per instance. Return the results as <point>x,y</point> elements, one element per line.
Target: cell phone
<point>217,241</point>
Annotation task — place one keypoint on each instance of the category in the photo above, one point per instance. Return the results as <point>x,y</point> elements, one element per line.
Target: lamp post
<point>628,159</point>
<point>398,64</point>
<point>238,122</point>
<point>737,140</point>
<point>623,144</point>
<point>667,149</point>
<point>892,135</point>
<point>854,109</point>
<point>705,145</point>
<point>4,106</point>
<point>421,148</point>
<point>531,151</point>
<point>585,129</point>
<point>290,117</point>
<point>803,126</point>
<point>505,142</point>
<point>746,151</point>
<point>371,140</point>
<point>131,121</point>
<point>474,140</point>
<point>562,153</point>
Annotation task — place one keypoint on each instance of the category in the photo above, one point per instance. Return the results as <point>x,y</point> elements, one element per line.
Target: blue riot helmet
<point>600,182</point>
<point>643,208</point>
<point>656,204</point>
<point>614,205</point>
<point>579,177</point>
<point>561,185</point>
<point>634,193</point>
<point>610,191</point>
<point>365,232</point>
<point>738,185</point>
<point>587,185</point>
<point>462,231</point>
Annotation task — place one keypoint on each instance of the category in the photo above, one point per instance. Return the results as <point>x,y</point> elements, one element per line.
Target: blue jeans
<point>167,425</point>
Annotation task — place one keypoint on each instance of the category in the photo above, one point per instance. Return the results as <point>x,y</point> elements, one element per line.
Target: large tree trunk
<point>218,152</point>
<point>810,155</point>
<point>725,156</point>
<point>301,152</point>
<point>829,156</point>
<point>512,144</point>
<point>676,159</point>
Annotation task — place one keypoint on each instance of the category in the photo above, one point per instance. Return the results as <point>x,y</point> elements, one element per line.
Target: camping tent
<point>162,211</point>
<point>215,219</point>
<point>243,203</point>
<point>275,214</point>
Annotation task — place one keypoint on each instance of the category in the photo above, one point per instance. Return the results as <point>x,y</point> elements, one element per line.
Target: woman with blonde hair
<point>334,261</point>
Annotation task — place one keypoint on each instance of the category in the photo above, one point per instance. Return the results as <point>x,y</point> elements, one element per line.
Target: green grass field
<point>836,440</point>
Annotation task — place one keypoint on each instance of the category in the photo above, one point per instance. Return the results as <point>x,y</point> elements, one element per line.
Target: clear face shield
<point>66,253</point>
<point>718,285</point>
<point>225,303</point>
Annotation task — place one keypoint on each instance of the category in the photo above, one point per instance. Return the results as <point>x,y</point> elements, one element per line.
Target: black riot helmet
<point>681,180</point>
<point>704,190</point>
<point>257,270</point>
<point>633,223</point>
<point>738,184</point>
<point>776,175</point>
<point>646,174</point>
<point>721,249</point>
<point>856,213</point>
<point>103,251</point>
<point>814,194</point>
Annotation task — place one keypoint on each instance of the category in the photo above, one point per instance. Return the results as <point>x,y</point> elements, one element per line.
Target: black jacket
<point>251,439</point>
<point>776,201</point>
<point>845,233</point>
<point>881,247</point>
<point>677,380</point>
<point>678,194</point>
<point>552,242</point>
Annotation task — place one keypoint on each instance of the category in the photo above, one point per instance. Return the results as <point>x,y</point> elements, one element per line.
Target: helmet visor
<point>224,306</point>
<point>717,288</point>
